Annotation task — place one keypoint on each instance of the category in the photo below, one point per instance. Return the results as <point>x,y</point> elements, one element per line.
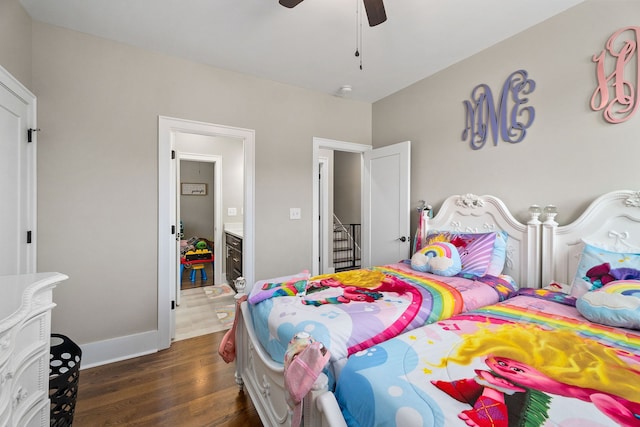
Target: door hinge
<point>173,305</point>
<point>29,236</point>
<point>173,154</point>
<point>30,134</point>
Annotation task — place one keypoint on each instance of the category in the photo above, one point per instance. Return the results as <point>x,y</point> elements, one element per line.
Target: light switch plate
<point>232,212</point>
<point>295,213</point>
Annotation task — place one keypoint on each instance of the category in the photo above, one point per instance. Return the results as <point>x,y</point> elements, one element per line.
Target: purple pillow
<point>480,253</point>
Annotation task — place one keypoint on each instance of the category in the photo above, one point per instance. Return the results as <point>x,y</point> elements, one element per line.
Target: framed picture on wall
<point>193,189</point>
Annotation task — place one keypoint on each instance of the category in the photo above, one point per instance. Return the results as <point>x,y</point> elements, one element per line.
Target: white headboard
<point>613,220</point>
<point>481,214</point>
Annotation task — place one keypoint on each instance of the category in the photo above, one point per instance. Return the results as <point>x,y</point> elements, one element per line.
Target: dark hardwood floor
<point>186,385</point>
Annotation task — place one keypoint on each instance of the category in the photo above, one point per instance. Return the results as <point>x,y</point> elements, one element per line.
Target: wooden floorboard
<point>186,385</point>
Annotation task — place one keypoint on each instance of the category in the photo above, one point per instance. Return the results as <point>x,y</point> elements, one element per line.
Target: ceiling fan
<point>375,10</point>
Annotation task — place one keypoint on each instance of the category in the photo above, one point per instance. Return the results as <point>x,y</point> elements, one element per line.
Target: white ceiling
<point>312,45</point>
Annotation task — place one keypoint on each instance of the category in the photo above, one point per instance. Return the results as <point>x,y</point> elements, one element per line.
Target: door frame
<point>168,127</point>
<point>335,145</point>
<point>27,164</point>
<point>323,213</point>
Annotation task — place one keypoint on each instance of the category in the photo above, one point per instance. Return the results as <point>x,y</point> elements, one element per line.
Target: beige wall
<point>570,155</point>
<point>347,187</point>
<point>99,103</point>
<point>15,41</point>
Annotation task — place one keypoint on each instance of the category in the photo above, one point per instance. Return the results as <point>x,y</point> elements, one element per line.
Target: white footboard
<point>263,379</point>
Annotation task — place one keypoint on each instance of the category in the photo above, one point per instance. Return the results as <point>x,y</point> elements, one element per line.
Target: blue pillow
<point>598,267</point>
<point>615,304</point>
<point>440,258</point>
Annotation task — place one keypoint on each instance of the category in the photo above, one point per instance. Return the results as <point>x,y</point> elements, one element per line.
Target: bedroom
<point>98,103</point>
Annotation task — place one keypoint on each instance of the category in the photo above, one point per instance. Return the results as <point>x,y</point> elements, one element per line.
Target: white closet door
<point>17,177</point>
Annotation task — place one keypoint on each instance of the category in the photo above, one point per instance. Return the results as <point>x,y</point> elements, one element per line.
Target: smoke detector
<point>344,90</point>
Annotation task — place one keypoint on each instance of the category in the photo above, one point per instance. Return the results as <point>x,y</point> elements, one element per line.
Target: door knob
<point>402,239</point>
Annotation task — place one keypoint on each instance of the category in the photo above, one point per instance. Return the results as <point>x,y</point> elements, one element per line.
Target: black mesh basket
<point>64,372</point>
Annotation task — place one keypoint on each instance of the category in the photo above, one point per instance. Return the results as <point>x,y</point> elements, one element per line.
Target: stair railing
<point>351,233</point>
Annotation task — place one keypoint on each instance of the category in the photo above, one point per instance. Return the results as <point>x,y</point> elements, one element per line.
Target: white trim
<point>323,218</point>
<point>30,217</point>
<point>116,349</point>
<point>167,262</point>
<point>328,144</point>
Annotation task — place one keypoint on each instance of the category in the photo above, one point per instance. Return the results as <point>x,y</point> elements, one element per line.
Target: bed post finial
<point>534,212</point>
<point>550,212</point>
<point>240,283</point>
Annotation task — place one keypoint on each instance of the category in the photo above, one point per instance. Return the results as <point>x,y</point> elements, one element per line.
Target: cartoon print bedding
<point>351,311</point>
<point>532,360</point>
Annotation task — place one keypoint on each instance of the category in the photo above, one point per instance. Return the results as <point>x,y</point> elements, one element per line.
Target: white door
<point>17,177</point>
<point>385,226</point>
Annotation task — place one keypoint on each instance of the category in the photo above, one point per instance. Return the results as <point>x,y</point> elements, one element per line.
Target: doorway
<point>199,214</point>
<point>170,131</point>
<point>323,208</point>
<point>385,187</point>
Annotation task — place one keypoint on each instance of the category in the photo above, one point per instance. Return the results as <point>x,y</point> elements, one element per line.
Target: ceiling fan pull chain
<point>357,37</point>
<point>358,53</point>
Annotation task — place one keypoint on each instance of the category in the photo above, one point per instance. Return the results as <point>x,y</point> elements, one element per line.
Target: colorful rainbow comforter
<point>532,360</point>
<point>351,311</point>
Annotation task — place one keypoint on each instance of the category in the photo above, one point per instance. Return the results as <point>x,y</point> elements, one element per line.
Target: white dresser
<point>25,331</point>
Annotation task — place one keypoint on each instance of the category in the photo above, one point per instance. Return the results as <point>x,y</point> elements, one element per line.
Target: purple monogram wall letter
<point>622,103</point>
<point>510,118</point>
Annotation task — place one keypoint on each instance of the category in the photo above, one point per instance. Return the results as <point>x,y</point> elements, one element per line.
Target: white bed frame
<point>263,378</point>
<point>613,220</point>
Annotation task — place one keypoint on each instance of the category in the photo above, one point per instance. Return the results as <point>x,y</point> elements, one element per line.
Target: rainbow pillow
<point>615,304</point>
<point>441,258</point>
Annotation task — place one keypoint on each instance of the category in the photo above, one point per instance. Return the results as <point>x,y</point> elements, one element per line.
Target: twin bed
<point>491,357</point>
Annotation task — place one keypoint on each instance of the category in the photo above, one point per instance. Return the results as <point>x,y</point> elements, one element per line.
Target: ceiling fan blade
<point>290,3</point>
<point>375,12</point>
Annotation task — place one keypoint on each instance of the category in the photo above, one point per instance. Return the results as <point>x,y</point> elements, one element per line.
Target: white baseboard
<point>116,349</point>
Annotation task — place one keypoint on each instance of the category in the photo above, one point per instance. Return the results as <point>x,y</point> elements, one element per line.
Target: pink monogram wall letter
<point>616,94</point>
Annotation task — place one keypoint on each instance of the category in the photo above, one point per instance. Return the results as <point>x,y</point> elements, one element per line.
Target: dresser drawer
<point>28,386</point>
<point>37,415</point>
<point>32,334</point>
<point>233,241</point>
